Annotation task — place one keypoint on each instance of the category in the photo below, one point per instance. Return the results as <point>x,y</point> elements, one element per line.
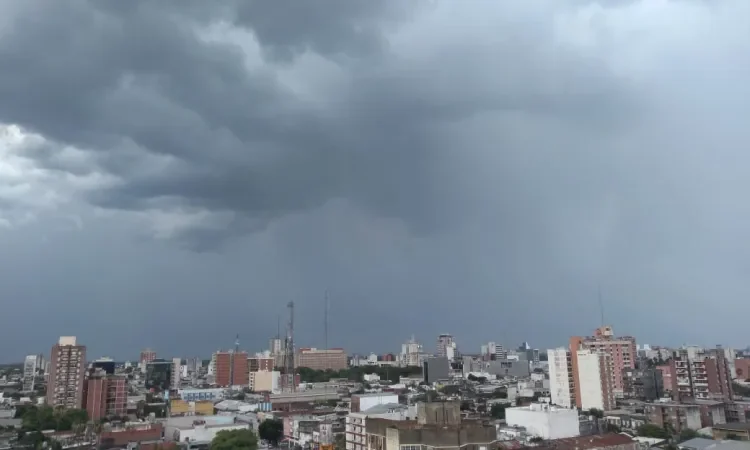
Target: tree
<point>612,428</point>
<point>536,439</point>
<point>235,440</point>
<point>500,393</point>
<point>687,434</point>
<point>733,437</point>
<point>271,431</point>
<point>498,411</point>
<point>596,413</point>
<point>652,431</point>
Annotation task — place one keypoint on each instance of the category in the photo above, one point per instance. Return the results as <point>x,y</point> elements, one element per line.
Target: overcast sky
<point>172,173</point>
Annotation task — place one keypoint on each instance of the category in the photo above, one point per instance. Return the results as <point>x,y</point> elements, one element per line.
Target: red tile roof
<point>590,442</point>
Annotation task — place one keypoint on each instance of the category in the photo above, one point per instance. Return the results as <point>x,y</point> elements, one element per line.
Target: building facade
<point>319,359</point>
<point>66,374</point>
<point>561,381</point>
<point>544,421</point>
<point>595,380</point>
<point>701,376</point>
<point>446,346</point>
<point>158,375</point>
<point>260,363</point>
<point>356,422</point>
<point>105,395</point>
<point>231,369</point>
<point>622,352</point>
<point>29,372</point>
<point>436,369</point>
<point>411,353</point>
<point>644,384</point>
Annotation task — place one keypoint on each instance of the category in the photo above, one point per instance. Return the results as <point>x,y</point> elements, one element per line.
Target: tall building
<point>158,375</point>
<point>176,373</point>
<point>318,359</point>
<point>621,350</point>
<point>436,369</point>
<point>260,363</point>
<point>411,353</point>
<point>595,380</point>
<point>29,372</point>
<point>561,380</point>
<point>147,356</point>
<point>446,346</point>
<point>276,346</point>
<point>105,395</point>
<point>701,376</point>
<point>66,373</point>
<point>106,364</point>
<point>231,369</point>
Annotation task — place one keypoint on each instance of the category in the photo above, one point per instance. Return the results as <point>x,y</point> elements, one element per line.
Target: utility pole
<point>289,351</point>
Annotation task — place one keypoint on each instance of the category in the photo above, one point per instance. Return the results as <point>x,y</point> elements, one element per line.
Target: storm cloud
<point>467,167</point>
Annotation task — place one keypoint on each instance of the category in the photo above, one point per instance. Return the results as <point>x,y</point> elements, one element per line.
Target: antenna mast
<point>290,384</point>
<point>601,305</point>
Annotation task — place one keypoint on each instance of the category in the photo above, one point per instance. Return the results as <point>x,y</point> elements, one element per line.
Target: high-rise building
<point>621,350</point>
<point>561,380</point>
<point>260,364</point>
<point>231,369</point>
<point>595,379</point>
<point>66,374</point>
<point>176,373</point>
<point>436,369</point>
<point>411,353</point>
<point>580,377</point>
<point>446,346</point>
<point>147,356</point>
<point>106,364</point>
<point>705,375</point>
<point>29,372</point>
<point>105,395</point>
<point>158,375</point>
<point>276,346</point>
<point>319,359</point>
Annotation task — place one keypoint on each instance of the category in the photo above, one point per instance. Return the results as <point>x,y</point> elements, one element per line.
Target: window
<point>411,447</point>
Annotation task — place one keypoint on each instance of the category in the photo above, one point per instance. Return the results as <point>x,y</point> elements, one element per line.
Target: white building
<point>411,353</point>
<point>446,346</point>
<point>560,378</point>
<point>356,422</point>
<point>175,382</point>
<point>265,381</point>
<point>200,430</point>
<point>595,379</point>
<point>363,402</point>
<point>29,372</point>
<point>545,421</point>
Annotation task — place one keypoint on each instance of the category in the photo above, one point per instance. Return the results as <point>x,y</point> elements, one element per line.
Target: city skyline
<point>436,166</point>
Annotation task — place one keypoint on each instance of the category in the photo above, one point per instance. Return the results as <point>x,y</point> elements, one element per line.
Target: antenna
<point>325,319</point>
<point>278,326</point>
<point>289,351</point>
<point>601,305</point>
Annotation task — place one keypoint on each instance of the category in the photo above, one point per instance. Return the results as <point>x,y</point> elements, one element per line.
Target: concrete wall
<point>545,422</point>
<point>439,413</point>
<point>509,368</point>
<point>436,369</point>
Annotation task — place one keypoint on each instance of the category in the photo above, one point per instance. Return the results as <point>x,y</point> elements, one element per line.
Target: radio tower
<point>231,359</point>
<point>290,384</point>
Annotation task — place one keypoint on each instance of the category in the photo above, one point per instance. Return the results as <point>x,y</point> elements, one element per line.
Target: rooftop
<point>590,442</point>
<point>384,408</point>
<point>733,426</point>
<point>710,444</point>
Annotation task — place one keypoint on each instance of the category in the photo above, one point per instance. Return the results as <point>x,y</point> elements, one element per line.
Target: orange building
<point>231,369</point>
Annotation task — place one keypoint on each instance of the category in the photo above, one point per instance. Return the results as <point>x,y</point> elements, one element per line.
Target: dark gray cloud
<point>439,166</point>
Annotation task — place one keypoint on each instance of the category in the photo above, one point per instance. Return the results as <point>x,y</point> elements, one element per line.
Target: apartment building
<point>105,395</point>
<point>66,373</point>
<point>622,352</point>
<point>644,384</point>
<point>231,369</point>
<point>595,380</point>
<point>356,422</point>
<point>29,372</point>
<point>446,346</point>
<point>261,363</point>
<point>701,376</point>
<point>265,381</point>
<point>438,426</point>
<point>580,378</point>
<point>561,379</point>
<point>320,359</point>
<point>411,353</point>
<point>176,373</point>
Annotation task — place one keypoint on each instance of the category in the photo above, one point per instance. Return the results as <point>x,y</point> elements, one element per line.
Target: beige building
<point>264,381</point>
<point>179,407</point>
<point>66,374</point>
<point>438,425</point>
<point>318,359</point>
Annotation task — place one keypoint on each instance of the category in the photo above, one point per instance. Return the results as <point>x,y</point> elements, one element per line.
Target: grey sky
<point>172,173</point>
